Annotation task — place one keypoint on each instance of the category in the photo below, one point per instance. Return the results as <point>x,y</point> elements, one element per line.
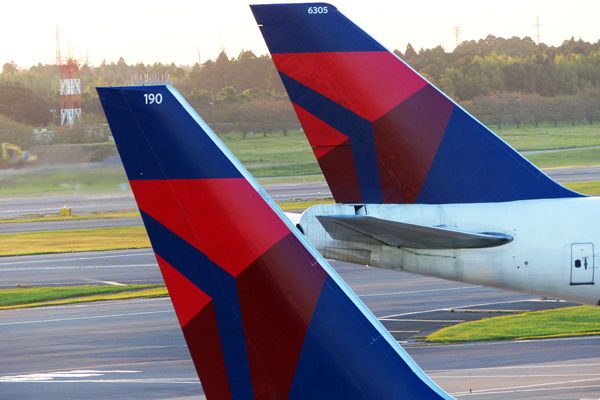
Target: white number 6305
<point>318,10</point>
<point>151,98</point>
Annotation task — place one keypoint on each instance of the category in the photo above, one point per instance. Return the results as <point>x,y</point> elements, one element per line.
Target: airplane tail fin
<point>263,314</point>
<point>381,132</point>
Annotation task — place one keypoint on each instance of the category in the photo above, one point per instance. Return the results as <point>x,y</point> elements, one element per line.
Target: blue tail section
<point>381,132</point>
<point>263,314</point>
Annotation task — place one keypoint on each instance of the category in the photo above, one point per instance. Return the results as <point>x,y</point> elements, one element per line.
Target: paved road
<point>281,192</point>
<point>550,369</point>
<point>135,350</point>
<point>14,207</point>
<point>125,266</point>
<point>87,203</point>
<point>579,174</point>
<point>82,203</point>
<point>14,227</point>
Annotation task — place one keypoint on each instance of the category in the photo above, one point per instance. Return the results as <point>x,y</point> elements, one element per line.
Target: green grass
<point>566,158</point>
<point>275,155</point>
<point>289,159</point>
<point>88,180</point>
<point>590,188</point>
<point>550,137</point>
<point>66,241</point>
<point>569,321</point>
<point>54,295</point>
<point>302,205</point>
<point>97,239</point>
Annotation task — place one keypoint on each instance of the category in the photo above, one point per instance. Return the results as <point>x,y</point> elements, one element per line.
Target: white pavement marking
<point>161,381</point>
<point>75,376</point>
<point>112,283</point>
<point>450,308</point>
<point>527,366</point>
<point>29,210</point>
<point>102,257</point>
<point>526,388</point>
<point>48,376</point>
<point>511,376</point>
<point>42,321</point>
<point>421,320</point>
<point>69,267</point>
<point>419,291</point>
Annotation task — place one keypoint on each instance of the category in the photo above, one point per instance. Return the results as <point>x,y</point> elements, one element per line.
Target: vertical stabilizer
<point>381,132</point>
<point>263,314</point>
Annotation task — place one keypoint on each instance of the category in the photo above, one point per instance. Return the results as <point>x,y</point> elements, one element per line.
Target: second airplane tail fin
<point>263,314</point>
<point>380,131</point>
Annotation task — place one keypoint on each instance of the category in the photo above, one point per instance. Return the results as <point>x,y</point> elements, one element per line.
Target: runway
<point>135,350</point>
<point>124,266</point>
<point>84,203</point>
<point>89,203</point>
<point>17,227</point>
<point>576,174</point>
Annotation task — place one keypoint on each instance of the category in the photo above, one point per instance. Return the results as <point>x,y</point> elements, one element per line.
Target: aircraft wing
<point>400,234</point>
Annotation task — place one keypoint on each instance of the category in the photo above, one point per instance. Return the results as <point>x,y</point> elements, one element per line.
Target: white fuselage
<point>553,253</point>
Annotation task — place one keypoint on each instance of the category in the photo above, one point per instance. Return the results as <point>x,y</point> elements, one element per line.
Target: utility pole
<point>538,34</point>
<point>457,32</point>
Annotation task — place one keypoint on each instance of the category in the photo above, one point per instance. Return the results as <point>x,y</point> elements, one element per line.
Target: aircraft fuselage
<point>554,252</point>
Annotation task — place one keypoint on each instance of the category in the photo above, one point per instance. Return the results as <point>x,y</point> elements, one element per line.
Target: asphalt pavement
<point>134,349</point>
<point>123,266</point>
<point>90,203</point>
<point>17,207</point>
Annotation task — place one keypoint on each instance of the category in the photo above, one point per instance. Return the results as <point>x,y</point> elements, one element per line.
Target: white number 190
<point>151,98</point>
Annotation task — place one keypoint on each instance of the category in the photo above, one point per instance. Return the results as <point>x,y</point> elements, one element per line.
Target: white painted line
<point>404,331</point>
<point>42,321</point>
<point>125,253</point>
<point>32,210</point>
<point>526,366</point>
<point>524,388</point>
<point>112,283</point>
<point>510,376</point>
<point>75,376</point>
<point>554,389</point>
<point>162,381</point>
<point>48,376</point>
<point>419,291</point>
<point>421,320</point>
<point>450,308</point>
<point>70,267</point>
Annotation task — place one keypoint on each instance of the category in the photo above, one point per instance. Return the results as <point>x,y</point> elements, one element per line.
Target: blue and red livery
<point>380,131</point>
<point>263,314</point>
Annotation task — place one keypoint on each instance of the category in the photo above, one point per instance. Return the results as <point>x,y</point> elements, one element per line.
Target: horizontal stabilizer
<point>400,234</point>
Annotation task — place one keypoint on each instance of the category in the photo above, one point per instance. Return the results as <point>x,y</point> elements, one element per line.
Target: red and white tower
<point>70,92</point>
<point>70,87</point>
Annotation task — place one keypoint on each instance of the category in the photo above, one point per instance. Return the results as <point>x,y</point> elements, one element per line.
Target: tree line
<point>501,81</point>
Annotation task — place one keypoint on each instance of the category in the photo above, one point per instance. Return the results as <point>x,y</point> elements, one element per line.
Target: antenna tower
<point>457,32</point>
<point>70,86</point>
